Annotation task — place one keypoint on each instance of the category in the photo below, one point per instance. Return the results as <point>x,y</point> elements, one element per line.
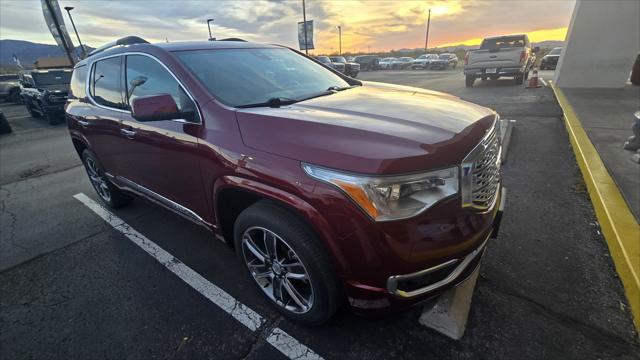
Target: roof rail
<point>128,40</point>
<point>233,39</point>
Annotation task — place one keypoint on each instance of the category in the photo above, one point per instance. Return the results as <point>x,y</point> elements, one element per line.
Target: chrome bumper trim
<point>392,282</point>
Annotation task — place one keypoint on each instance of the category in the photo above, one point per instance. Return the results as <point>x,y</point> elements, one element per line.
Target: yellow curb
<point>619,226</point>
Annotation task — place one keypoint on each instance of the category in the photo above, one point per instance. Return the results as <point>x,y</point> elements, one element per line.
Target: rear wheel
<point>14,96</point>
<point>287,263</point>
<point>108,193</point>
<point>519,79</point>
<point>469,80</point>
<point>29,106</point>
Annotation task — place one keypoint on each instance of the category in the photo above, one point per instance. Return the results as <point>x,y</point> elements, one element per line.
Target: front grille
<point>481,171</point>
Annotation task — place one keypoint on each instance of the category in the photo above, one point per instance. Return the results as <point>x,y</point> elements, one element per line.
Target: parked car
<point>265,159</point>
<point>327,61</point>
<point>402,63</point>
<point>550,61</point>
<point>444,61</point>
<point>44,92</point>
<point>350,58</point>
<point>499,56</point>
<point>423,61</point>
<point>386,63</point>
<point>10,88</point>
<point>350,68</point>
<point>368,62</point>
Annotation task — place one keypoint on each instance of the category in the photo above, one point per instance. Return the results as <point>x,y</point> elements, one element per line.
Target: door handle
<point>83,123</point>
<point>128,133</point>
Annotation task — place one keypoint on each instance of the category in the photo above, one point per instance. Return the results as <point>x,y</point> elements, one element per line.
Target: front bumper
<point>406,290</point>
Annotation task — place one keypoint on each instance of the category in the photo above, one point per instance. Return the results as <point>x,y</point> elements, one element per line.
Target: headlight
<point>387,198</point>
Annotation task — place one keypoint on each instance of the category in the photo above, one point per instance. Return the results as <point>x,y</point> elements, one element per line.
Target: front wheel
<point>287,262</point>
<point>111,195</point>
<point>469,80</point>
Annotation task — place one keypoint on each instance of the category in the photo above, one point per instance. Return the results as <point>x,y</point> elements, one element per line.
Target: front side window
<point>238,77</point>
<point>146,76</point>
<point>555,51</point>
<point>105,87</point>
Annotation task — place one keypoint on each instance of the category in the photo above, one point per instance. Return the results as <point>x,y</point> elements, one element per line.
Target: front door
<point>162,156</point>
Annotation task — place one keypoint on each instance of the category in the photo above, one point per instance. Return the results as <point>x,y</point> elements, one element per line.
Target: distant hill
<point>28,52</point>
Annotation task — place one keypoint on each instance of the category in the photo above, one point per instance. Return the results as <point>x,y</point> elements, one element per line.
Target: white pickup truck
<point>498,56</point>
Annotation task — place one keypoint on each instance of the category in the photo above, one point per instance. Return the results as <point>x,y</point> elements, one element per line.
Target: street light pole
<point>426,40</point>
<point>69,8</point>
<point>209,26</point>
<point>339,39</point>
<point>304,25</point>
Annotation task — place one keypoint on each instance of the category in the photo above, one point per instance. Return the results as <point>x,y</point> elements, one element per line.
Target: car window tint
<point>146,76</point>
<point>105,83</point>
<point>78,82</point>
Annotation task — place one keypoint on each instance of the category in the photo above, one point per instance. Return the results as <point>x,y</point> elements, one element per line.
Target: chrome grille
<point>481,171</point>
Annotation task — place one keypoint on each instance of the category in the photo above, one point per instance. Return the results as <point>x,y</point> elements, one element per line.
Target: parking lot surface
<point>74,287</point>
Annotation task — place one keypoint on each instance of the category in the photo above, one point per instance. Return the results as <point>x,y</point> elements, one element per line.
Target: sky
<point>367,25</point>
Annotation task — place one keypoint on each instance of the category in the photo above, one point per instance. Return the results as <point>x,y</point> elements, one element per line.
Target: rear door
<point>101,123</point>
<point>162,156</point>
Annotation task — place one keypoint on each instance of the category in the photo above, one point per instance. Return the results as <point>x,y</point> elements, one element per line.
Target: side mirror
<point>536,49</point>
<point>156,108</point>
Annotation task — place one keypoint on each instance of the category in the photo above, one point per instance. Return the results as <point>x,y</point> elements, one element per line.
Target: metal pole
<point>69,8</point>
<point>304,25</point>
<point>209,26</point>
<point>426,40</point>
<point>339,39</point>
<point>62,39</point>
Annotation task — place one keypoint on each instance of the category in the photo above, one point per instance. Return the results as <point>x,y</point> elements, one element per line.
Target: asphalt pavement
<point>73,286</point>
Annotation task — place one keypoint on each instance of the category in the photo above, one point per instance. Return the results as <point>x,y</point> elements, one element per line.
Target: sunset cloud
<point>378,25</point>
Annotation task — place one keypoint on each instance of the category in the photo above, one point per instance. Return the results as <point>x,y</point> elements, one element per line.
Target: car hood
<point>373,129</point>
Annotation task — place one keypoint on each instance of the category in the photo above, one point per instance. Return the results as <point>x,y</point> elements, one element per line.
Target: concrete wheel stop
<point>449,314</point>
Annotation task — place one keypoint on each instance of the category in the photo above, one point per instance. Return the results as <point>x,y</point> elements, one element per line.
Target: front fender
<point>304,209</point>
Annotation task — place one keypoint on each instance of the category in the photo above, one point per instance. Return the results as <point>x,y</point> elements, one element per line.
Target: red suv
<point>328,188</point>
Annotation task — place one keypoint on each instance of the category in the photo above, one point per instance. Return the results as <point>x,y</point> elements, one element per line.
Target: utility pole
<point>84,52</point>
<point>304,24</point>
<point>426,40</point>
<point>209,26</point>
<point>339,39</point>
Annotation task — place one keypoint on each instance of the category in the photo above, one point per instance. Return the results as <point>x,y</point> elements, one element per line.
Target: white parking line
<point>543,82</point>
<point>279,339</point>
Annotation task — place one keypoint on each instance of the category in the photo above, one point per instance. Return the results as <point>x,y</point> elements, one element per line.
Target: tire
<point>32,113</point>
<point>14,96</point>
<point>526,75</point>
<point>107,192</point>
<point>355,75</point>
<point>483,78</point>
<point>51,119</point>
<point>295,242</point>
<point>519,79</point>
<point>469,80</point>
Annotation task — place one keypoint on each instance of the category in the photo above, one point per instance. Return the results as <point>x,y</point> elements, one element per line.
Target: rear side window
<point>145,76</point>
<point>504,42</point>
<point>105,87</point>
<point>78,82</point>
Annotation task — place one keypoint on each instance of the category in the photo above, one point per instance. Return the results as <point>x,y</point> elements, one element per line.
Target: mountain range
<point>27,52</point>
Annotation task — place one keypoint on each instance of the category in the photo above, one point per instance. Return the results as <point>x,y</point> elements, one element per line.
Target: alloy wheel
<point>98,181</point>
<point>277,269</point>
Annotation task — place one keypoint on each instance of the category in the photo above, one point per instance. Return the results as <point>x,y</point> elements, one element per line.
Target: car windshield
<point>52,78</point>
<point>406,59</point>
<point>555,51</point>
<point>242,77</point>
<point>388,59</point>
<point>324,59</point>
<point>504,42</point>
<point>445,56</point>
<point>338,59</point>
<point>8,77</point>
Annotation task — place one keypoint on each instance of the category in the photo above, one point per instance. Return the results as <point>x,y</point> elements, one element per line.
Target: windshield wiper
<point>338,88</point>
<point>274,102</point>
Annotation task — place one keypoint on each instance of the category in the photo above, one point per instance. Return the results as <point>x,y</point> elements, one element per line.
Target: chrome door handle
<point>128,133</point>
<point>83,123</point>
